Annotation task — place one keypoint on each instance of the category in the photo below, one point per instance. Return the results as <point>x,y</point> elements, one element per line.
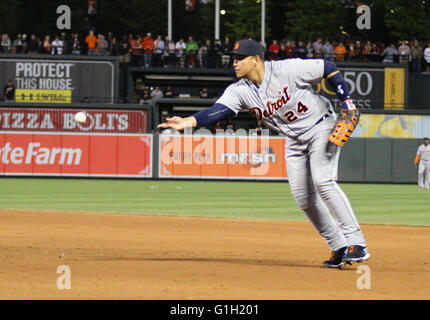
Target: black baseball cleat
<point>356,254</point>
<point>336,258</point>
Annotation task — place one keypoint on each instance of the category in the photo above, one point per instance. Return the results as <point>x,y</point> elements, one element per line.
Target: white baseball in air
<point>80,117</point>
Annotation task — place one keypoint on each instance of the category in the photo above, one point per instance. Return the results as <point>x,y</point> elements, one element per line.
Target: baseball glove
<point>345,125</point>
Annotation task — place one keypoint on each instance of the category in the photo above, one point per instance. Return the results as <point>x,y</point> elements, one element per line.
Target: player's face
<point>243,65</point>
<point>426,142</point>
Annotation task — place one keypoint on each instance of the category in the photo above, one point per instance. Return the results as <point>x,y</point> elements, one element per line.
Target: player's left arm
<point>349,114</point>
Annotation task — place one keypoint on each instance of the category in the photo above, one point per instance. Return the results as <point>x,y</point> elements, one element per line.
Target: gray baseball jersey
<point>424,166</point>
<point>424,152</point>
<point>285,100</point>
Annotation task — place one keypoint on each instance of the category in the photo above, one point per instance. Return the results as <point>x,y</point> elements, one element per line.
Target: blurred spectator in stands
<point>180,53</point>
<point>158,52</point>
<point>300,50</point>
<point>124,50</point>
<point>136,51</point>
<point>190,53</point>
<point>274,50</point>
<point>289,49</point>
<point>157,93</point>
<point>358,50</point>
<point>375,53</point>
<point>317,45</point>
<point>309,50</point>
<point>282,54</point>
<point>33,44</point>
<point>217,54</point>
<point>148,47</point>
<point>17,44</point>
<point>146,96</point>
<point>226,59</point>
<point>328,51</point>
<point>340,52</point>
<point>9,92</point>
<point>417,55</point>
<point>46,46</point>
<point>169,93</point>
<point>65,42</point>
<point>24,43</point>
<point>204,54</point>
<point>170,51</point>
<point>6,46</point>
<point>76,44</point>
<point>85,100</point>
<point>230,128</point>
<point>427,57</point>
<point>404,52</point>
<point>102,45</point>
<point>91,41</point>
<point>204,94</point>
<point>365,53</point>
<point>113,46</point>
<point>351,55</point>
<point>389,53</point>
<point>57,46</point>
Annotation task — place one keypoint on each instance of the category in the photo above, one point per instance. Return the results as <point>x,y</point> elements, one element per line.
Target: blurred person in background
<point>57,46</point>
<point>190,53</point>
<point>9,92</point>
<point>328,51</point>
<point>180,53</point>
<point>18,45</point>
<point>136,51</point>
<point>76,44</point>
<point>404,52</point>
<point>289,49</point>
<point>148,47</point>
<point>102,45</point>
<point>274,50</point>
<point>317,45</point>
<point>124,50</point>
<point>226,60</point>
<point>417,54</point>
<point>309,50</point>
<point>340,52</point>
<point>6,45</point>
<point>375,53</point>
<point>46,46</point>
<point>300,50</point>
<point>427,57</point>
<point>91,41</point>
<point>389,53</point>
<point>33,44</point>
<point>157,93</point>
<point>157,57</point>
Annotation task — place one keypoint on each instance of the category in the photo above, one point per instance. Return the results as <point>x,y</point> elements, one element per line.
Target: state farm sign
<point>60,119</point>
<point>76,154</point>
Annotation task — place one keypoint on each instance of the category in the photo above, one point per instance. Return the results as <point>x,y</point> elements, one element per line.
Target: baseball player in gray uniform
<point>280,94</point>
<point>422,161</point>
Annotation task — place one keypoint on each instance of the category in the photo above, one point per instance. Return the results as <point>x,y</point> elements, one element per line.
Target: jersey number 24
<point>291,116</point>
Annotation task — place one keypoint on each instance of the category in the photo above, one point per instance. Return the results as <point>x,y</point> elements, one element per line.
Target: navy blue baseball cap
<point>248,47</point>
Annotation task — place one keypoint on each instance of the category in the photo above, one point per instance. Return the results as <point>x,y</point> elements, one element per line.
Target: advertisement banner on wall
<point>370,88</point>
<point>222,157</point>
<point>48,80</point>
<point>75,154</point>
<point>61,119</point>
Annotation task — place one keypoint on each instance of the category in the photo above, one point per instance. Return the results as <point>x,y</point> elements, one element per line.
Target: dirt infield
<point>148,257</point>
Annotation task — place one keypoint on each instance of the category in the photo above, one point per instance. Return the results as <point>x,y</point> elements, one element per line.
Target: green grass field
<point>372,203</point>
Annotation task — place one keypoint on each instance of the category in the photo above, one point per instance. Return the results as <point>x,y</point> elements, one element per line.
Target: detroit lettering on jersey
<point>285,100</point>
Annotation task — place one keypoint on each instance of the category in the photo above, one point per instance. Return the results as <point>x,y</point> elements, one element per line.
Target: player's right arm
<point>417,157</point>
<point>228,105</point>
